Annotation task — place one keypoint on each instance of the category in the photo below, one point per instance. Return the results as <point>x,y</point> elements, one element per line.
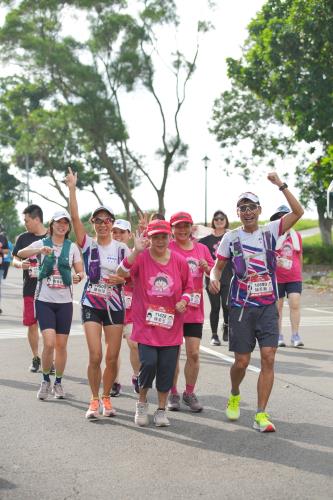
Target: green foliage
<point>318,254</point>
<point>303,224</point>
<point>64,107</point>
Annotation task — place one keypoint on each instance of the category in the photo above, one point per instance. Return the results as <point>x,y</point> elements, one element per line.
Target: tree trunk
<point>161,206</point>
<point>325,226</point>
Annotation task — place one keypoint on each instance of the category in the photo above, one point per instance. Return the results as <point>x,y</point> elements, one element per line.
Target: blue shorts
<point>258,324</point>
<point>286,288</point>
<point>54,316</point>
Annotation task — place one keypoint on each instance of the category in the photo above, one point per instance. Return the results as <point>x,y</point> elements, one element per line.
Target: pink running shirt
<point>195,312</point>
<point>158,285</point>
<point>289,261</point>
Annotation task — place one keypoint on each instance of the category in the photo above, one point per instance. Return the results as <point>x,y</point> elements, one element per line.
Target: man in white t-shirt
<point>253,295</point>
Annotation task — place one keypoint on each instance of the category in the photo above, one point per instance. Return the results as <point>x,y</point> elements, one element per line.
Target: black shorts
<point>257,323</point>
<point>287,288</point>
<point>159,362</point>
<point>54,316</point>
<point>193,330</point>
<point>101,316</point>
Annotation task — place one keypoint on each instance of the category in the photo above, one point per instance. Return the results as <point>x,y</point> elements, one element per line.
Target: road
<point>49,450</point>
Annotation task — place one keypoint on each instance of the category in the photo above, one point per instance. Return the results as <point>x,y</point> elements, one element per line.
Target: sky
<point>186,190</point>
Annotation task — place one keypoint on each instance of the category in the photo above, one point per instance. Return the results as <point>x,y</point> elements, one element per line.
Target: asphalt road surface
<point>49,451</point>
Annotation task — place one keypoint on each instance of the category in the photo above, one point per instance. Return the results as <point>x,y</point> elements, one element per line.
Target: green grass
<point>300,226</point>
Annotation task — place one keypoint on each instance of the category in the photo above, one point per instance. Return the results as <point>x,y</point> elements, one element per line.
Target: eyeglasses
<point>252,207</point>
<point>219,218</point>
<point>99,220</point>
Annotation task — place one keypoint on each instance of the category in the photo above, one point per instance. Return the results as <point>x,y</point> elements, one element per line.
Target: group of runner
<point>153,296</point>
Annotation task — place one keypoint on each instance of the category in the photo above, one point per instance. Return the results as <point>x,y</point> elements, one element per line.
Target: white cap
<point>102,207</point>
<point>122,224</point>
<point>61,214</point>
<point>248,196</point>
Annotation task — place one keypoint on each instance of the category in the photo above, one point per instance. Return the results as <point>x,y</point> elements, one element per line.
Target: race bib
<point>195,299</point>
<point>55,280</point>
<point>100,289</point>
<point>160,316</point>
<point>260,285</point>
<point>128,300</point>
<point>284,263</point>
<point>33,270</point>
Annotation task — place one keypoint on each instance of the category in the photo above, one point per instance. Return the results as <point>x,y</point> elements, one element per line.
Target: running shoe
<point>135,383</point>
<point>161,419</point>
<point>173,402</point>
<point>35,364</point>
<point>44,390</point>
<point>296,341</point>
<point>192,401</point>
<point>215,340</point>
<point>225,332</point>
<point>58,391</point>
<point>141,414</point>
<point>281,342</point>
<point>115,391</point>
<point>93,410</point>
<point>232,410</point>
<point>262,423</point>
<point>108,411</point>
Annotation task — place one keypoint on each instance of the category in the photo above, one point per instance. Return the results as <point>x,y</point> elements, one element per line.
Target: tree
<point>9,194</point>
<point>86,81</point>
<point>286,67</point>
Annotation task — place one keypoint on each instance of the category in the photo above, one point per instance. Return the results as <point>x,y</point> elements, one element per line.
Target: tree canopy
<point>64,102</point>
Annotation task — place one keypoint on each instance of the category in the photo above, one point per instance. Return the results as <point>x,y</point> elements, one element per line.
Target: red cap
<point>158,227</point>
<point>180,217</point>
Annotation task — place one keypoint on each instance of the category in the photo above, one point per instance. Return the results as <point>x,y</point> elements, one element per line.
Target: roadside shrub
<point>317,254</point>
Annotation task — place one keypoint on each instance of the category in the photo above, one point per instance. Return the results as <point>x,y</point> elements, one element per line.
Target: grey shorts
<point>258,323</point>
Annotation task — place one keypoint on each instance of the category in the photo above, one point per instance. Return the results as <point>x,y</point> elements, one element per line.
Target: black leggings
<point>216,301</point>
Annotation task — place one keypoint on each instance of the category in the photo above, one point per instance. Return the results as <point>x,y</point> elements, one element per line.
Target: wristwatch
<point>283,186</point>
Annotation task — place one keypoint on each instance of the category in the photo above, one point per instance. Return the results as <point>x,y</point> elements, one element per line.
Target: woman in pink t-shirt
<point>200,262</point>
<point>289,277</point>
<point>162,287</point>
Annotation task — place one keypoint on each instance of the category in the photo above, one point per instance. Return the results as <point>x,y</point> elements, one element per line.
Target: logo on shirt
<point>161,284</point>
<point>194,266</point>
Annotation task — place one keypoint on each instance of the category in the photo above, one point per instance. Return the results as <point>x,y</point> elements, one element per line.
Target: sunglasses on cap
<point>249,206</point>
<point>100,220</point>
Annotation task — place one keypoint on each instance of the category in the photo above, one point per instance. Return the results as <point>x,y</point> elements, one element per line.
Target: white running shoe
<point>58,391</point>
<point>141,414</point>
<point>161,419</point>
<point>44,390</point>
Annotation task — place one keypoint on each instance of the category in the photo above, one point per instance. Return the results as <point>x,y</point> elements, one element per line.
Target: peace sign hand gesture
<point>141,242</point>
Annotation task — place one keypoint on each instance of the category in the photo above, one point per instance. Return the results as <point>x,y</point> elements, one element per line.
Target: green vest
<point>47,266</point>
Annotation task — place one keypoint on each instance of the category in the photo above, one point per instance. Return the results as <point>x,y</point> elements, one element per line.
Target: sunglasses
<point>99,220</point>
<point>220,217</point>
<point>252,207</point>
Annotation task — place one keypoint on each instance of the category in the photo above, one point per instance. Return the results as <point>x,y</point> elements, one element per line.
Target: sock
<point>162,409</point>
<point>260,410</point>
<point>58,378</point>
<point>46,376</point>
<point>234,393</point>
<point>173,389</point>
<point>189,389</point>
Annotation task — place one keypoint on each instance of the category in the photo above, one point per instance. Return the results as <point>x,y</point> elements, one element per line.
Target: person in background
<point>121,231</point>
<point>162,286</point>
<point>3,253</point>
<point>289,277</point>
<point>200,263</point>
<point>57,257</point>
<point>7,259</point>
<point>33,221</point>
<point>220,225</point>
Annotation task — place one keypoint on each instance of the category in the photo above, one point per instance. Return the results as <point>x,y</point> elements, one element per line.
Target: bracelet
<point>283,186</point>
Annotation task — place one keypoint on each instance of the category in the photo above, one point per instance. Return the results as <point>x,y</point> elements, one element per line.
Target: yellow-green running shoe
<point>232,409</point>
<point>262,423</point>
